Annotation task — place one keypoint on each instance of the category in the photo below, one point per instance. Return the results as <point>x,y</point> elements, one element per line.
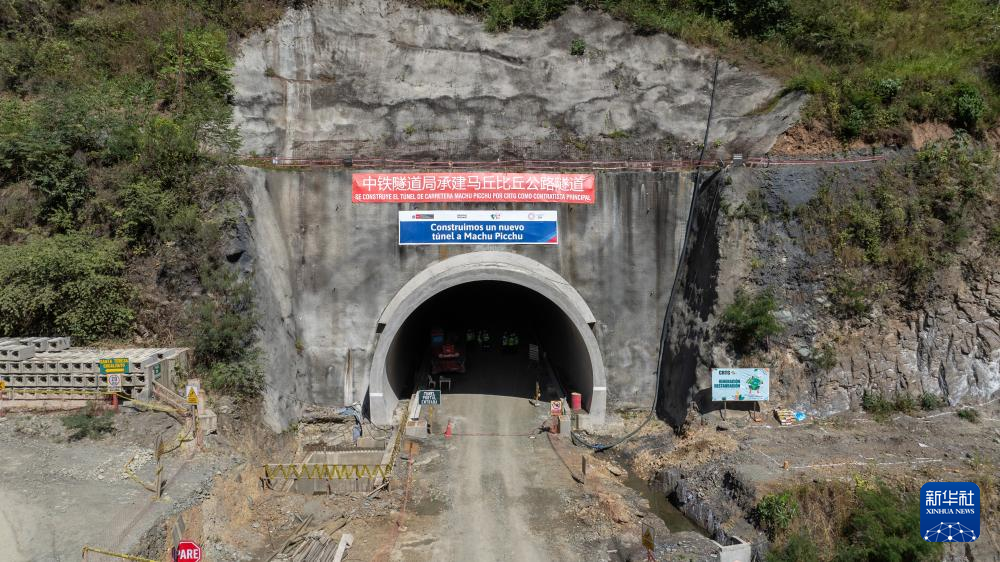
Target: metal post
<point>159,467</point>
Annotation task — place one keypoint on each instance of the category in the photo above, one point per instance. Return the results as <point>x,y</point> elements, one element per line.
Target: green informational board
<point>429,397</point>
<point>114,366</point>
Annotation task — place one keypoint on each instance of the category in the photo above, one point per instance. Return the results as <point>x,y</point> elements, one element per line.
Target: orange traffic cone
<point>447,431</point>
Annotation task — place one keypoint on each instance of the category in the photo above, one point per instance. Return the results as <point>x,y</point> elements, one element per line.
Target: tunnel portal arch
<point>469,268</point>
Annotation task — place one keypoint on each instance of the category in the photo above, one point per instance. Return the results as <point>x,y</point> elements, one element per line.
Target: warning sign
<point>555,408</point>
<point>113,366</point>
<point>192,395</point>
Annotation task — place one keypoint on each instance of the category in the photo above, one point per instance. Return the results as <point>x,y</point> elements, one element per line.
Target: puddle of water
<point>660,506</point>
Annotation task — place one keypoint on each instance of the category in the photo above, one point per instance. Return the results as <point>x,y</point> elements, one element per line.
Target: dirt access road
<point>490,492</point>
<point>495,490</point>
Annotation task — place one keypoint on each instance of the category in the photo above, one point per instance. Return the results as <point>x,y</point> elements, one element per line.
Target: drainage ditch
<point>659,505</point>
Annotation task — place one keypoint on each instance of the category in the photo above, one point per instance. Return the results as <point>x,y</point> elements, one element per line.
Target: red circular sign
<point>188,551</point>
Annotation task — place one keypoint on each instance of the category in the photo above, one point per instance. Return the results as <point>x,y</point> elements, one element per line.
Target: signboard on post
<point>555,407</point>
<point>429,397</point>
<point>191,392</point>
<point>188,551</point>
<point>114,366</point>
<point>472,187</point>
<point>115,383</point>
<point>478,227</point>
<point>647,539</point>
<point>741,385</point>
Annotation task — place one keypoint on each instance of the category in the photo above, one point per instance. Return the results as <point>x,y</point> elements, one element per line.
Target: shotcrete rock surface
<point>357,77</point>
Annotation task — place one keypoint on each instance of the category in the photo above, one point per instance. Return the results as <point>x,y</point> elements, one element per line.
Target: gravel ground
<point>57,496</point>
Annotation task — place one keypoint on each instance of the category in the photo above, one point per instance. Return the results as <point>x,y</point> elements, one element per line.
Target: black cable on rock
<point>665,327</point>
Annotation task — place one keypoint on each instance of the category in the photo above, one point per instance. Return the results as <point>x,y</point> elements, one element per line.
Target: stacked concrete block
<point>16,352</point>
<point>47,363</point>
<point>39,344</point>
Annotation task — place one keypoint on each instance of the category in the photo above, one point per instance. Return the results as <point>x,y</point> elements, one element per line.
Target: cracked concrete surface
<point>366,76</point>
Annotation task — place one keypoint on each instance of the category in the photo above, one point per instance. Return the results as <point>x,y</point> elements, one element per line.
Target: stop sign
<point>188,551</point>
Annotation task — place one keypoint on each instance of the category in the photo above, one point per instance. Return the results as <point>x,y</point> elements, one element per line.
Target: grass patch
<point>970,415</point>
<point>882,407</point>
<point>89,422</point>
<point>860,523</point>
<point>929,401</point>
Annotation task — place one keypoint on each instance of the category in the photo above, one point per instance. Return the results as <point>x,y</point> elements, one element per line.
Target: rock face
<point>949,348</point>
<point>372,76</point>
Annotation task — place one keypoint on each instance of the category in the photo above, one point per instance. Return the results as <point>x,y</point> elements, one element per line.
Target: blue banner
<point>478,227</point>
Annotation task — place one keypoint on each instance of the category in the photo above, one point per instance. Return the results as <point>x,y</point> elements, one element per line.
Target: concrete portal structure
<point>334,286</point>
<point>589,377</point>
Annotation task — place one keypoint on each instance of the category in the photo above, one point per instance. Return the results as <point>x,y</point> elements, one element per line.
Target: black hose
<point>673,292</point>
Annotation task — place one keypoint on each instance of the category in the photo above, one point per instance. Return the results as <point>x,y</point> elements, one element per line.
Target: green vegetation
<point>223,323</point>
<point>849,298</point>
<point>839,523</point>
<point>775,512</point>
<point>749,321</point>
<point>881,407</point>
<point>799,548</point>
<point>578,47</point>
<point>66,284</point>
<point>753,208</point>
<point>970,415</point>
<point>89,422</point>
<point>930,401</point>
<point>885,526</point>
<point>920,215</point>
<point>824,357</point>
<point>870,66</point>
<point>242,379</point>
<point>116,147</point>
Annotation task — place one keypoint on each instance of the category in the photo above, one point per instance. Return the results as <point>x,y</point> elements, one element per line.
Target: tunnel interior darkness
<point>498,307</point>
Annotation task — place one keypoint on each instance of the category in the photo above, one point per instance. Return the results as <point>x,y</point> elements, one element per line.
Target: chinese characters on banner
<point>472,187</point>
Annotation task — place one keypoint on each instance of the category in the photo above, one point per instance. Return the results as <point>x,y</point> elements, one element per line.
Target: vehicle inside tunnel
<point>477,338</point>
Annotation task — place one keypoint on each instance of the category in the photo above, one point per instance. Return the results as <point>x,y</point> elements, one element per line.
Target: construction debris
<point>316,546</point>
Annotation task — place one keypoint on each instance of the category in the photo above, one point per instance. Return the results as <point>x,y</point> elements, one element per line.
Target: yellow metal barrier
<point>325,471</point>
<point>120,555</point>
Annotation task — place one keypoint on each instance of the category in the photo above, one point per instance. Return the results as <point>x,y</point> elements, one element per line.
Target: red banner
<point>472,187</point>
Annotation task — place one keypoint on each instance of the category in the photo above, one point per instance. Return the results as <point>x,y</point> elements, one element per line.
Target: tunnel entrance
<point>479,336</point>
<point>457,301</point>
